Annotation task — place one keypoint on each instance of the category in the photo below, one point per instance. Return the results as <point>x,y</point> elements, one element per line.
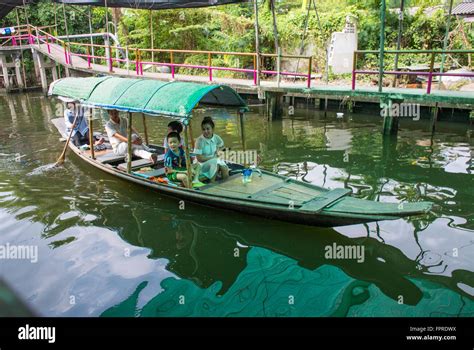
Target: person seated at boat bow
<point>207,150</point>
<point>80,133</point>
<point>175,162</point>
<point>117,131</point>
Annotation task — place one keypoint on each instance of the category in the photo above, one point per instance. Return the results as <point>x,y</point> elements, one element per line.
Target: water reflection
<point>119,249</point>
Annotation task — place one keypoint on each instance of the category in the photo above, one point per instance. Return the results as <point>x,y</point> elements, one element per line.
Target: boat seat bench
<point>109,157</point>
<point>153,173</point>
<point>319,203</point>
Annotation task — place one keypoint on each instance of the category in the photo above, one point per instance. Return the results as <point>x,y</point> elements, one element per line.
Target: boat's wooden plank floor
<point>267,188</point>
<point>358,206</point>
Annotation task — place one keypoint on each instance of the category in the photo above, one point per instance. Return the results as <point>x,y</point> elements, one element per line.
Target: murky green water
<point>107,247</point>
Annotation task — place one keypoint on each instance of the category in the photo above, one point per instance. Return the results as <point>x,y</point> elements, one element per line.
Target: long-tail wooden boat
<point>269,195</point>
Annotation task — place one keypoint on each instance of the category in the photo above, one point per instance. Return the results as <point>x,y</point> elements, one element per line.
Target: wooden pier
<point>76,59</point>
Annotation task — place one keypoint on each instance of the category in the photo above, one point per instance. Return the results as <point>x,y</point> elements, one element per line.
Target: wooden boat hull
<point>323,207</point>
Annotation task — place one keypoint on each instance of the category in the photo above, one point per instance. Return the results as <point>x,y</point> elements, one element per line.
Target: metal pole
<point>445,42</point>
<point>152,41</point>
<point>257,41</point>
<point>92,40</point>
<point>382,42</point>
<point>354,68</point>
<point>278,66</point>
<point>145,130</point>
<point>127,60</point>
<point>399,38</point>
<point>188,158</point>
<point>91,134</point>
<point>129,143</point>
<point>242,135</point>
<point>430,77</point>
<point>106,17</point>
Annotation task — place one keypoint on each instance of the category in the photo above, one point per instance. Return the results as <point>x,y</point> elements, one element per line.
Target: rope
<point>310,3</point>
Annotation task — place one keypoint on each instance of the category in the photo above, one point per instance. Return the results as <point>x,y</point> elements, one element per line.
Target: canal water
<point>106,247</point>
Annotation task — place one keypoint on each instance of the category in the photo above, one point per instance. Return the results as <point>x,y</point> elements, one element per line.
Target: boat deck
<point>265,188</point>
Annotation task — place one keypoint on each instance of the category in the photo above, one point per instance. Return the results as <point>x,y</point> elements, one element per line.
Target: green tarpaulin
<point>176,99</point>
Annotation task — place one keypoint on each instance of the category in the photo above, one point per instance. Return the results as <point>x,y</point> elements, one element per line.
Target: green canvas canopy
<point>175,99</point>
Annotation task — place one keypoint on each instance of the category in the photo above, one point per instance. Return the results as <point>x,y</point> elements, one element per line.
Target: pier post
<point>6,78</point>
<point>390,122</point>
<point>42,70</point>
<point>19,78</point>
<point>35,64</point>
<point>434,117</point>
<point>54,72</point>
<point>274,102</point>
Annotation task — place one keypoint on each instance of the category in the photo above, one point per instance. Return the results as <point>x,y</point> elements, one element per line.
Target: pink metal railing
<point>40,36</point>
<point>430,74</point>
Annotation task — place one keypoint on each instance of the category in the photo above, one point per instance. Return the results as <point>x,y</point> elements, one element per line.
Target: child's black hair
<point>176,125</point>
<point>173,134</point>
<point>207,120</point>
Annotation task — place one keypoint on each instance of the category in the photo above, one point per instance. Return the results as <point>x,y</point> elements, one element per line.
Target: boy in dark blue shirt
<point>175,162</point>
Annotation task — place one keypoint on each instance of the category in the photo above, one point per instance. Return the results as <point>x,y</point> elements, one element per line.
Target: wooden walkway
<point>444,98</point>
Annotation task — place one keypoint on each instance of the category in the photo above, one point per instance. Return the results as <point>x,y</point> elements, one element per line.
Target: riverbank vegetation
<point>231,28</point>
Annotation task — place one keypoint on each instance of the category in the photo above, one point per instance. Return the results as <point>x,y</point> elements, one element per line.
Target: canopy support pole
<point>91,134</point>
<point>188,158</point>
<point>145,130</point>
<point>191,135</point>
<point>242,134</point>
<point>129,143</point>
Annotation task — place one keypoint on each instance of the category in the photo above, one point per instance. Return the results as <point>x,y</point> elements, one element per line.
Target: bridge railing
<point>145,57</point>
<point>40,36</point>
<point>137,58</point>
<point>24,34</point>
<point>430,74</point>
